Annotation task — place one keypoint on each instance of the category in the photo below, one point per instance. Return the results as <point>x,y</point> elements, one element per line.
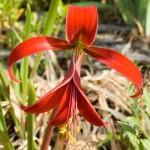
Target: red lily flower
<point>81,28</point>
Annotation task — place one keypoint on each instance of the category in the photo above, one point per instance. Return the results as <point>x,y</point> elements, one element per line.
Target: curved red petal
<point>118,62</point>
<point>85,107</point>
<point>52,98</point>
<point>81,24</point>
<point>48,101</point>
<point>33,46</point>
<point>64,111</point>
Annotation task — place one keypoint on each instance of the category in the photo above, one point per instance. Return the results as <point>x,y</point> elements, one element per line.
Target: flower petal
<point>81,24</point>
<point>52,98</point>
<point>33,46</point>
<point>64,111</point>
<point>85,107</point>
<point>47,102</point>
<point>118,62</point>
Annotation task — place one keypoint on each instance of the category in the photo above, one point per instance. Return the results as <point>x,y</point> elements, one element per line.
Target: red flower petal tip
<point>105,124</point>
<point>120,63</point>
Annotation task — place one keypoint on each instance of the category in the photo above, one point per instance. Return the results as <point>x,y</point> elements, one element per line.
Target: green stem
<point>24,76</point>
<point>30,117</point>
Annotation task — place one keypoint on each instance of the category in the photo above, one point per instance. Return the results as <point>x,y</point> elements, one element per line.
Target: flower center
<point>78,49</point>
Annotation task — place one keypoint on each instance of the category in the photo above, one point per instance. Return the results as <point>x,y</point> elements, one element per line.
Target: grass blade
<point>3,76</point>
<point>3,127</point>
<point>5,140</point>
<point>5,82</point>
<point>51,17</point>
<point>25,61</point>
<point>47,31</point>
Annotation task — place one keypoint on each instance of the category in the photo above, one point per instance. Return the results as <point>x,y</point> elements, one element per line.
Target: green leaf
<point>16,87</point>
<point>5,91</point>
<point>47,31</point>
<point>110,137</point>
<point>129,136</point>
<point>17,123</point>
<point>3,127</point>
<point>126,8</point>
<point>6,142</point>
<point>132,120</point>
<point>127,127</point>
<point>25,61</point>
<point>28,22</point>
<point>3,76</point>
<point>145,143</point>
<point>135,142</point>
<point>51,17</point>
<point>5,82</point>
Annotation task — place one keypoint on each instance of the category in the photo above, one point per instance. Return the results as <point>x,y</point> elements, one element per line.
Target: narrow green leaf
<point>47,31</point>
<point>25,61</point>
<point>5,82</point>
<point>28,22</point>
<point>126,9</point>
<point>36,64</point>
<point>126,127</point>
<point>3,76</point>
<point>6,142</point>
<point>145,143</point>
<point>5,91</point>
<point>30,117</point>
<point>3,127</point>
<point>17,123</point>
<point>51,17</point>
<point>15,34</point>
<point>16,86</point>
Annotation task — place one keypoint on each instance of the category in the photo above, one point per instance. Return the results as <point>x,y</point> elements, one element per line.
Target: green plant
<point>135,129</point>
<point>135,12</point>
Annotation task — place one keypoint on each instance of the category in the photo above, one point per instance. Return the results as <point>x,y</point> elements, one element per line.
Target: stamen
<point>77,129</point>
<point>72,137</point>
<point>65,130</point>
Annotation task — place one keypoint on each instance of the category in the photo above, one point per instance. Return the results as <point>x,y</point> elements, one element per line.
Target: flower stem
<point>48,134</point>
